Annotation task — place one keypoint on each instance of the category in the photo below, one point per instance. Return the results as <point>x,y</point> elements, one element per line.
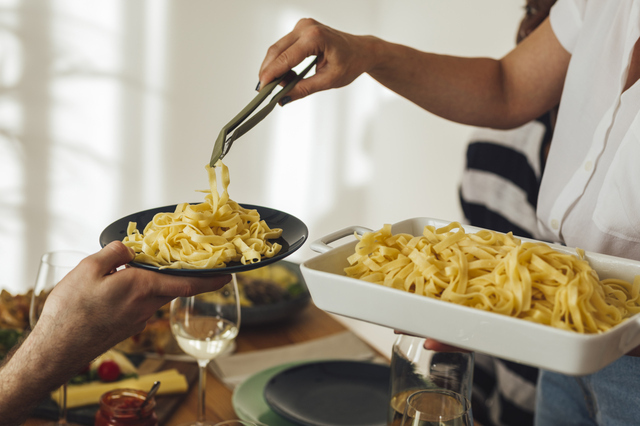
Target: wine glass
<point>436,407</point>
<point>204,326</point>
<point>53,267</point>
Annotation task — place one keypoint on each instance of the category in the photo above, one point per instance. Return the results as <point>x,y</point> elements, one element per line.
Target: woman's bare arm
<point>484,92</point>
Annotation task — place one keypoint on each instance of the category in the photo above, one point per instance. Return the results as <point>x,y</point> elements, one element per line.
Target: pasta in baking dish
<point>208,235</point>
<point>498,273</point>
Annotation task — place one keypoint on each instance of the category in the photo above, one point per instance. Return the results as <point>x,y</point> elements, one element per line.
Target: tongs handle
<point>223,144</point>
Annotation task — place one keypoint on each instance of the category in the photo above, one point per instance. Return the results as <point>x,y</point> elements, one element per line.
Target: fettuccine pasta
<point>205,236</point>
<point>498,273</point>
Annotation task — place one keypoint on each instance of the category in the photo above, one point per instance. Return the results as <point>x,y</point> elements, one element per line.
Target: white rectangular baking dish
<point>505,337</point>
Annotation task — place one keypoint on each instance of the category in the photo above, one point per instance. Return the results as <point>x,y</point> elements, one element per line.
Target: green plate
<point>248,398</point>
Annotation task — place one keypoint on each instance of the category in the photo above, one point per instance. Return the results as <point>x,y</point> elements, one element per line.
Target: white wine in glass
<point>436,407</point>
<point>54,267</point>
<point>204,326</point>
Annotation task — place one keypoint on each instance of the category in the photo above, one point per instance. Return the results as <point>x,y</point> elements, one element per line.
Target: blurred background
<point>108,107</point>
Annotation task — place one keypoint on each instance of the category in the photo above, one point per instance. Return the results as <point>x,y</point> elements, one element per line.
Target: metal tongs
<point>224,141</point>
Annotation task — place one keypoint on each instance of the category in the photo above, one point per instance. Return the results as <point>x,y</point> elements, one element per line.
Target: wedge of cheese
<point>89,393</point>
<point>126,366</point>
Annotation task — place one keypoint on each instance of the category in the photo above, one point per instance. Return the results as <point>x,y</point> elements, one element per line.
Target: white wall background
<point>108,107</point>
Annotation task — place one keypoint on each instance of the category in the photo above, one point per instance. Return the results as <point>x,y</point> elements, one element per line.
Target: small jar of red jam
<point>121,407</point>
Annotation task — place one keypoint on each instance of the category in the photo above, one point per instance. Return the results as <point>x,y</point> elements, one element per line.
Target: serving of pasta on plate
<point>209,235</point>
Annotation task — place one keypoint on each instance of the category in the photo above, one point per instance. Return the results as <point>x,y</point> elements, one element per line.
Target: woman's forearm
<point>464,90</point>
<point>485,92</point>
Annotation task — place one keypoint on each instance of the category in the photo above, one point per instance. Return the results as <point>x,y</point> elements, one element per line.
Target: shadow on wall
<point>26,66</point>
<point>71,94</point>
<point>110,107</point>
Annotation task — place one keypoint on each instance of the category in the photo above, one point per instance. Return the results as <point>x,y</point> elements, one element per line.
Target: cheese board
<point>165,404</point>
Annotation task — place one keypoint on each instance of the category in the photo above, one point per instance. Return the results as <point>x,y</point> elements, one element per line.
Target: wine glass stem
<point>62,403</point>
<point>202,384</point>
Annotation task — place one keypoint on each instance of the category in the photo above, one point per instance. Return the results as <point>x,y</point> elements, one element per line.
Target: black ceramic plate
<point>294,234</point>
<point>331,393</point>
<point>279,311</point>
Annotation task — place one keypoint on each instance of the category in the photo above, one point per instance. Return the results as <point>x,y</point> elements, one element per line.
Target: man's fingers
<point>111,257</point>
<point>173,286</point>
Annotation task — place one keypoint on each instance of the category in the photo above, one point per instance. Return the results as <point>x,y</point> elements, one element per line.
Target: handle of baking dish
<point>322,245</point>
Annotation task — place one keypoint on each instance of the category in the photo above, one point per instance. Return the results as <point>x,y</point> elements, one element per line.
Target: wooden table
<point>312,323</point>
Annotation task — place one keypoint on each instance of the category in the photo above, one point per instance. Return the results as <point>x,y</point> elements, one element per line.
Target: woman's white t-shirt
<point>590,193</point>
